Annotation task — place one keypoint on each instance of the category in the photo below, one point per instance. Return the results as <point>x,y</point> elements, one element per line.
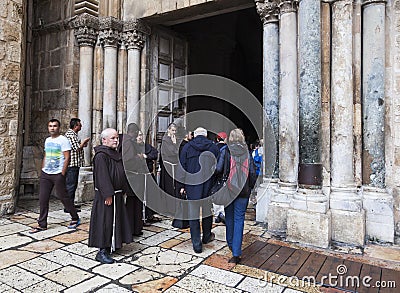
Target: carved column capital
<point>110,31</point>
<point>268,10</point>
<point>286,6</point>
<point>134,33</point>
<point>86,29</point>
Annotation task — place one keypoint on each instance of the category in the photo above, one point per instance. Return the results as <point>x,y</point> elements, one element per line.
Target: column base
<point>277,211</point>
<point>277,218</point>
<point>264,193</point>
<point>312,200</point>
<point>310,228</point>
<point>85,190</point>
<point>348,227</point>
<point>378,205</point>
<point>345,199</point>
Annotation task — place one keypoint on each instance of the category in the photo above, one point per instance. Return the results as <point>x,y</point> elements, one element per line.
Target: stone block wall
<point>54,71</point>
<point>12,46</point>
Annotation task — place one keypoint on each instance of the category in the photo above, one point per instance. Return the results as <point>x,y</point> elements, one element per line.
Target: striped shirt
<point>77,159</point>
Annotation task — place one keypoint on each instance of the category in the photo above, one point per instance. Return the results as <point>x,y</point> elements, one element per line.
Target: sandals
<point>37,229</point>
<point>74,224</point>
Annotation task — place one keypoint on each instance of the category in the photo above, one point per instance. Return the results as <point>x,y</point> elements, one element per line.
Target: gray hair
<point>107,132</point>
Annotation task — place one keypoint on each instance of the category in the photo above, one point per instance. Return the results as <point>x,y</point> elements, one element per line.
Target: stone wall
<point>12,46</point>
<point>53,87</point>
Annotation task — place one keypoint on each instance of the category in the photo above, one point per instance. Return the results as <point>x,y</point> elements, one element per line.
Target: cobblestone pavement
<point>162,260</point>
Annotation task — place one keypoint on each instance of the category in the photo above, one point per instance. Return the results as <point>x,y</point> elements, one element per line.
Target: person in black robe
<point>108,229</point>
<point>169,163</point>
<point>150,155</point>
<point>133,161</point>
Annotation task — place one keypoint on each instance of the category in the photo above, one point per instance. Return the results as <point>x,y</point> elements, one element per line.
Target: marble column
<point>86,28</point>
<point>288,119</point>
<point>376,201</point>
<point>98,89</point>
<point>309,220</point>
<point>135,32</point>
<point>345,202</point>
<point>121,92</point>
<point>109,34</point>
<point>268,11</point>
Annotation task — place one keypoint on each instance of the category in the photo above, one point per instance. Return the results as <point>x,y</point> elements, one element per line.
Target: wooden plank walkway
<point>328,271</point>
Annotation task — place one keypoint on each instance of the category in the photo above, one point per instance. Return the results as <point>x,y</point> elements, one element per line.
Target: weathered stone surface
<point>348,227</point>
<point>309,227</point>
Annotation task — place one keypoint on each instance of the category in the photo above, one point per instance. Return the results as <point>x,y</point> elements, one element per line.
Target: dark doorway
<point>228,45</point>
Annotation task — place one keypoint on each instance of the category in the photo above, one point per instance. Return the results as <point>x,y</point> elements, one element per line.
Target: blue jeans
<point>234,221</point>
<point>71,181</point>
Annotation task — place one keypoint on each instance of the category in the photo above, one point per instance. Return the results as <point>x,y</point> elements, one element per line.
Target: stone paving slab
<point>256,285</point>
<point>140,276</point>
<point>44,286</point>
<point>66,258</point>
<point>227,278</point>
<point>198,284</point>
<point>43,246</point>
<point>11,241</point>
<point>162,259</point>
<point>12,228</point>
<point>89,285</point>
<point>112,288</point>
<point>19,278</point>
<point>12,257</point>
<point>68,276</point>
<point>49,233</point>
<point>6,288</point>
<point>39,266</point>
<point>114,271</point>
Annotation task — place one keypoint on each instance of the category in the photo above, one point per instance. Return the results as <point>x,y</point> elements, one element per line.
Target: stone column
<point>86,28</point>
<point>268,11</point>
<point>135,32</point>
<point>377,202</point>
<point>288,119</point>
<point>348,220</point>
<point>110,29</point>
<point>98,89</point>
<point>121,93</point>
<point>309,219</point>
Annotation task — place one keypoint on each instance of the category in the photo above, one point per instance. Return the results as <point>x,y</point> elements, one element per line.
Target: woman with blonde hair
<point>240,181</point>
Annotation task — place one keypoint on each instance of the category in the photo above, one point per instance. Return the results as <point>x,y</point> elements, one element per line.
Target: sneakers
<point>211,238</point>
<point>74,224</point>
<point>103,257</point>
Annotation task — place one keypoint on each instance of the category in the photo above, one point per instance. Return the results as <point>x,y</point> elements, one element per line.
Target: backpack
<point>239,171</point>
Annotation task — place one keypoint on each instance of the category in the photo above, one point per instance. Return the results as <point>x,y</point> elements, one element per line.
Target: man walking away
<point>77,159</point>
<point>198,156</point>
<point>54,168</point>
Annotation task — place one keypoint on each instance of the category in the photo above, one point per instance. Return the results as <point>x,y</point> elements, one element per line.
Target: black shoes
<point>198,250</point>
<point>211,238</point>
<point>220,218</point>
<point>235,260</point>
<point>104,257</point>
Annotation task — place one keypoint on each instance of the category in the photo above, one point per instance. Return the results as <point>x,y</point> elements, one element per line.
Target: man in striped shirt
<point>77,158</point>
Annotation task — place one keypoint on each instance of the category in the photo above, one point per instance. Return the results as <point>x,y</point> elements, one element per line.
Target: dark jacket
<point>198,157</point>
<point>240,151</point>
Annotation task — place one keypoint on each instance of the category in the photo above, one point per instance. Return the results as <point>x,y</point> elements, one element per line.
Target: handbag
<point>220,194</point>
<point>180,221</point>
